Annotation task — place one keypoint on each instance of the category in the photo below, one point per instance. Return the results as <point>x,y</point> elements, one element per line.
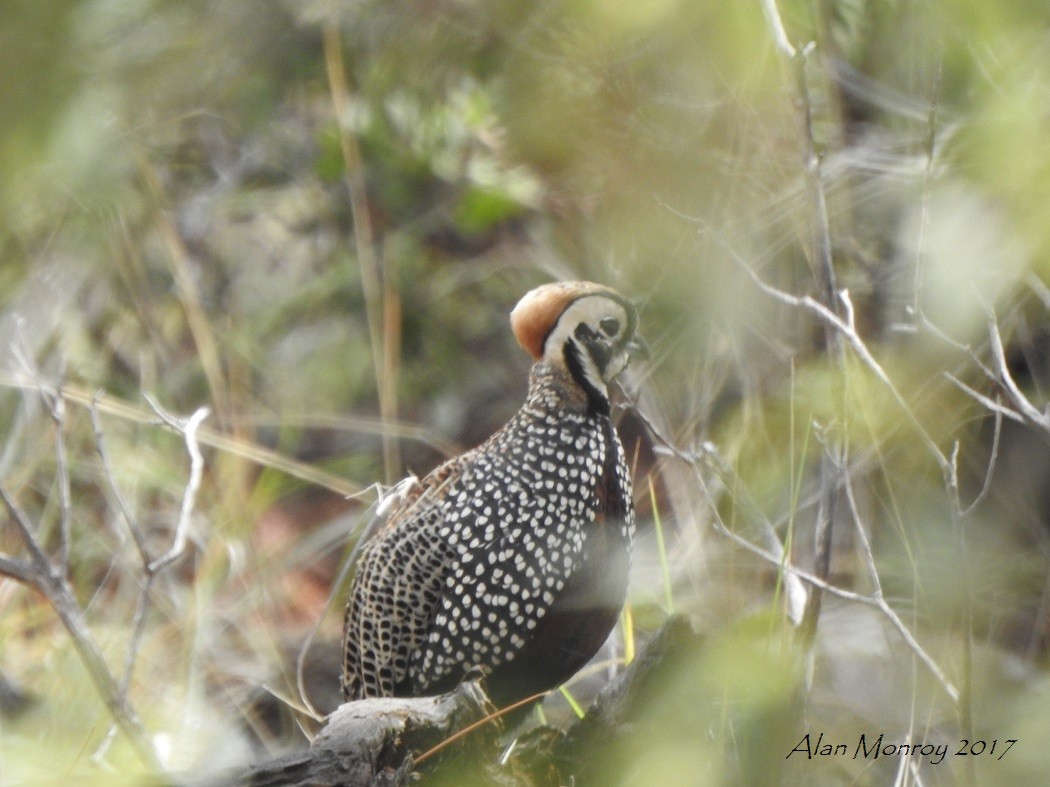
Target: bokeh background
<point>314,217</point>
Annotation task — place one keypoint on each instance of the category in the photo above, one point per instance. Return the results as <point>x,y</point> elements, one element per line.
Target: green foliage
<point>175,221</point>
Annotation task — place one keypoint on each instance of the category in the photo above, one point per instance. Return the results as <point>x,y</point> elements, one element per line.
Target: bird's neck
<point>555,387</point>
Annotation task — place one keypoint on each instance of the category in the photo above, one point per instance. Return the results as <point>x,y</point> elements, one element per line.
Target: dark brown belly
<point>574,628</point>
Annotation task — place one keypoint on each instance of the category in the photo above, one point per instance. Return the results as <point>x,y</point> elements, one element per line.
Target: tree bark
<point>375,742</point>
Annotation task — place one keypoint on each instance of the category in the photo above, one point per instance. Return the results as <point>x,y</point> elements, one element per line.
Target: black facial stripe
<point>596,401</point>
<point>597,347</point>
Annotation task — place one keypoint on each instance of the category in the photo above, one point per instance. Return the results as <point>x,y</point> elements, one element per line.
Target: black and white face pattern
<point>591,338</point>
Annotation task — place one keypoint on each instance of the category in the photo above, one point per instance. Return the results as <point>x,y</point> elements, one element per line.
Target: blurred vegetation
<point>176,221</point>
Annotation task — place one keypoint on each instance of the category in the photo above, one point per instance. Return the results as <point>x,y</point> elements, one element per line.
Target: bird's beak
<point>638,349</point>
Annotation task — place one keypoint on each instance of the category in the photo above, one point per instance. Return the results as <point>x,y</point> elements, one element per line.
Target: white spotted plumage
<point>467,570</point>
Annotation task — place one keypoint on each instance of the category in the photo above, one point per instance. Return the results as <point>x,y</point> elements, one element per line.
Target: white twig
<point>1036,285</point>
<point>58,415</point>
<point>848,330</point>
<point>1017,398</point>
<point>776,27</point>
<point>188,428</point>
<point>862,537</point>
<point>995,406</point>
<point>993,457</point>
<point>877,602</point>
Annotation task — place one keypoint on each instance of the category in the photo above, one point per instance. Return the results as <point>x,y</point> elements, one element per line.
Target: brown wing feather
<point>395,589</point>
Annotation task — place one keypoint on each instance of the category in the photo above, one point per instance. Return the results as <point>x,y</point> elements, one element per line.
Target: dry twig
<point>41,575</point>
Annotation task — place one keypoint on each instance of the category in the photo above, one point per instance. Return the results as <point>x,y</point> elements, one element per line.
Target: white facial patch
<point>590,310</point>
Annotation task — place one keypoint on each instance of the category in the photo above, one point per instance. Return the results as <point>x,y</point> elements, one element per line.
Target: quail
<point>512,558</point>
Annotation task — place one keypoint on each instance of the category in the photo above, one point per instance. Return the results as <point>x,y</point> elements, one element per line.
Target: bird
<point>510,560</point>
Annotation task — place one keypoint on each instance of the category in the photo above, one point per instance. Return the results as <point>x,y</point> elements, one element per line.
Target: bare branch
<point>56,589</point>
<point>862,537</point>
<point>188,428</point>
<point>138,625</point>
<point>100,446</point>
<point>995,406</point>
<point>776,26</point>
<point>849,333</point>
<point>58,415</point>
<point>19,570</point>
<point>1017,398</point>
<point>993,457</point>
<point>871,601</point>
<point>60,595</point>
<point>831,472</point>
<point>150,567</point>
<point>39,560</point>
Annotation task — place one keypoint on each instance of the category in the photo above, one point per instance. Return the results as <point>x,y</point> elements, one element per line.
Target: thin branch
<point>39,561</point>
<point>876,602</point>
<point>776,26</point>
<point>188,428</point>
<point>862,538</point>
<point>138,626</point>
<point>19,570</point>
<point>797,58</point>
<point>993,457</point>
<point>100,447</point>
<point>150,567</point>
<point>831,472</point>
<point>1017,398</point>
<point>56,589</point>
<point>849,332</point>
<point>61,598</point>
<point>58,415</point>
<point>975,359</point>
<point>994,405</point>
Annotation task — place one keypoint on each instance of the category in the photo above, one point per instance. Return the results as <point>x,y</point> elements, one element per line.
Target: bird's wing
<point>394,591</point>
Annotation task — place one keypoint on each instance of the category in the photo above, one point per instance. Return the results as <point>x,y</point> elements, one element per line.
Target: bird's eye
<point>610,325</point>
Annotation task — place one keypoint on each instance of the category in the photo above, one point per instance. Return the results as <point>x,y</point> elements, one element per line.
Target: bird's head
<point>586,328</point>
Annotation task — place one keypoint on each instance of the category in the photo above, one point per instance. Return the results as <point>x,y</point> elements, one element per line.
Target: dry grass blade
<point>113,406</point>
<point>477,725</point>
<point>381,303</point>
